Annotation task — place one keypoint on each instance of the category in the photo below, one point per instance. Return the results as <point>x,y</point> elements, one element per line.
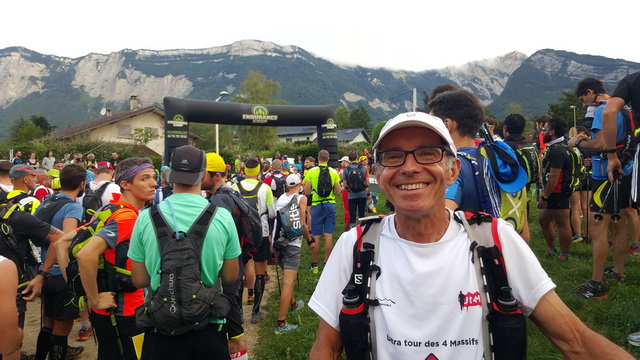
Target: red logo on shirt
<point>469,299</point>
<point>431,357</point>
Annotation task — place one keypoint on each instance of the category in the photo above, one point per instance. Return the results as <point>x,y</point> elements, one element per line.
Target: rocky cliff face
<point>486,78</point>
<point>19,76</point>
<point>69,91</point>
<point>113,79</point>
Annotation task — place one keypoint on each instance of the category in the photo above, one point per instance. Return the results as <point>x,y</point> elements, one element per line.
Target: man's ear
<point>453,172</point>
<point>450,124</point>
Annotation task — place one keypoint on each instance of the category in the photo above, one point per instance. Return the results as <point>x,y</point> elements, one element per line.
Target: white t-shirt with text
<point>428,293</point>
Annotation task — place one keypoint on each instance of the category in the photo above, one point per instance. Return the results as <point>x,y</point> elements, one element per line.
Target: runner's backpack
<point>27,266</point>
<point>495,161</point>
<point>324,182</point>
<point>182,302</point>
<point>280,184</point>
<point>626,145</point>
<point>24,201</point>
<point>529,160</point>
<point>290,224</point>
<point>92,200</point>
<point>504,326</point>
<point>111,277</point>
<point>250,225</point>
<point>576,170</point>
<point>50,206</point>
<point>355,177</point>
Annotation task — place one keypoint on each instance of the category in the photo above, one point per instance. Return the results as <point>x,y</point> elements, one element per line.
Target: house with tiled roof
<point>310,133</point>
<point>118,128</point>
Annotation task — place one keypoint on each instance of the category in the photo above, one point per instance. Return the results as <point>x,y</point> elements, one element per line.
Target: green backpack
<point>576,171</point>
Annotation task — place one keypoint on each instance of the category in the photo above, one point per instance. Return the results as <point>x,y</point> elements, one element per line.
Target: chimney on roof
<point>133,102</point>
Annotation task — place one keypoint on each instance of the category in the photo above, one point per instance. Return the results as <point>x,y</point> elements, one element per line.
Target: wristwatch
<point>544,198</point>
<point>44,274</point>
<point>577,144</point>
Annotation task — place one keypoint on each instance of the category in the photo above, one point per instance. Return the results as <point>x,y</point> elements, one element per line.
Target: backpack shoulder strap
<point>162,229</point>
<point>482,230</point>
<point>198,230</point>
<point>249,193</point>
<point>365,264</point>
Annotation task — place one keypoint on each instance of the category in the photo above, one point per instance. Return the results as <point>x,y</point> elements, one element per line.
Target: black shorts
<point>600,188</point>
<point>208,343</point>
<point>58,298</point>
<point>558,201</point>
<point>263,252</point>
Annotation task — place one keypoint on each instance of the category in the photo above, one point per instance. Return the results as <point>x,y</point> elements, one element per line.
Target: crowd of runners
<point>155,262</point>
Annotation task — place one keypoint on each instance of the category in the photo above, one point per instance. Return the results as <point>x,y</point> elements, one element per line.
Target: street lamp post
<point>222,95</point>
<point>574,114</point>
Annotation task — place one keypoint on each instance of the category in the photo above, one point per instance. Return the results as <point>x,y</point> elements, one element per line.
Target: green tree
<point>257,89</point>
<point>360,118</point>
<point>42,123</point>
<point>513,109</point>
<point>488,112</point>
<point>142,136</point>
<point>563,108</point>
<point>376,131</point>
<point>24,130</point>
<point>342,118</point>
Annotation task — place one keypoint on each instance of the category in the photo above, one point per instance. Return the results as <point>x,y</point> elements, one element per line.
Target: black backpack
<point>280,183</point>
<point>325,187</point>
<point>250,225</point>
<point>92,200</point>
<point>50,206</point>
<point>27,265</point>
<point>355,177</point>
<point>182,302</point>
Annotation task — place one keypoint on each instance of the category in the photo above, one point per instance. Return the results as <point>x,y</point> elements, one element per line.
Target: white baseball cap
<point>419,119</point>
<point>344,158</point>
<point>293,180</point>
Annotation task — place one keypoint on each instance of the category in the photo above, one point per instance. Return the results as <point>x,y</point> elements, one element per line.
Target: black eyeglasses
<point>424,155</point>
<point>546,129</point>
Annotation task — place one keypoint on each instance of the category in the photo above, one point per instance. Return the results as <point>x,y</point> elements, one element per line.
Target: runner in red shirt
<point>136,178</point>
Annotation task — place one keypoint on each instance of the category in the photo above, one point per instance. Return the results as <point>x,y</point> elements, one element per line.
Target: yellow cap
<point>55,184</point>
<point>215,163</point>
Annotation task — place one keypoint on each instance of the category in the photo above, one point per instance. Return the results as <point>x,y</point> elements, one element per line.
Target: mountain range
<point>71,91</point>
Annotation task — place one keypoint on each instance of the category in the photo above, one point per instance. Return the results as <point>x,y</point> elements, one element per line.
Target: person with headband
<point>136,179</point>
<point>258,193</point>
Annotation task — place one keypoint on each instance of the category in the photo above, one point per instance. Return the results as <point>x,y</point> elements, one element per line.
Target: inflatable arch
<point>180,112</point>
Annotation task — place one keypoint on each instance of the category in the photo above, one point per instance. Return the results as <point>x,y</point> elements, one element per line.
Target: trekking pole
<point>278,277</point>
<point>616,206</point>
<point>115,328</point>
<point>599,216</point>
<point>588,208</point>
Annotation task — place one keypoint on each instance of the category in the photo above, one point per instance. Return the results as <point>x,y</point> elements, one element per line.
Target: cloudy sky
<point>400,34</point>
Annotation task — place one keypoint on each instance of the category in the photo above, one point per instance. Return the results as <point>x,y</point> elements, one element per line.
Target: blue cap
<point>504,166</point>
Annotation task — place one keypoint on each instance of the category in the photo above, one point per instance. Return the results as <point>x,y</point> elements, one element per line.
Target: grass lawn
<point>614,318</point>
